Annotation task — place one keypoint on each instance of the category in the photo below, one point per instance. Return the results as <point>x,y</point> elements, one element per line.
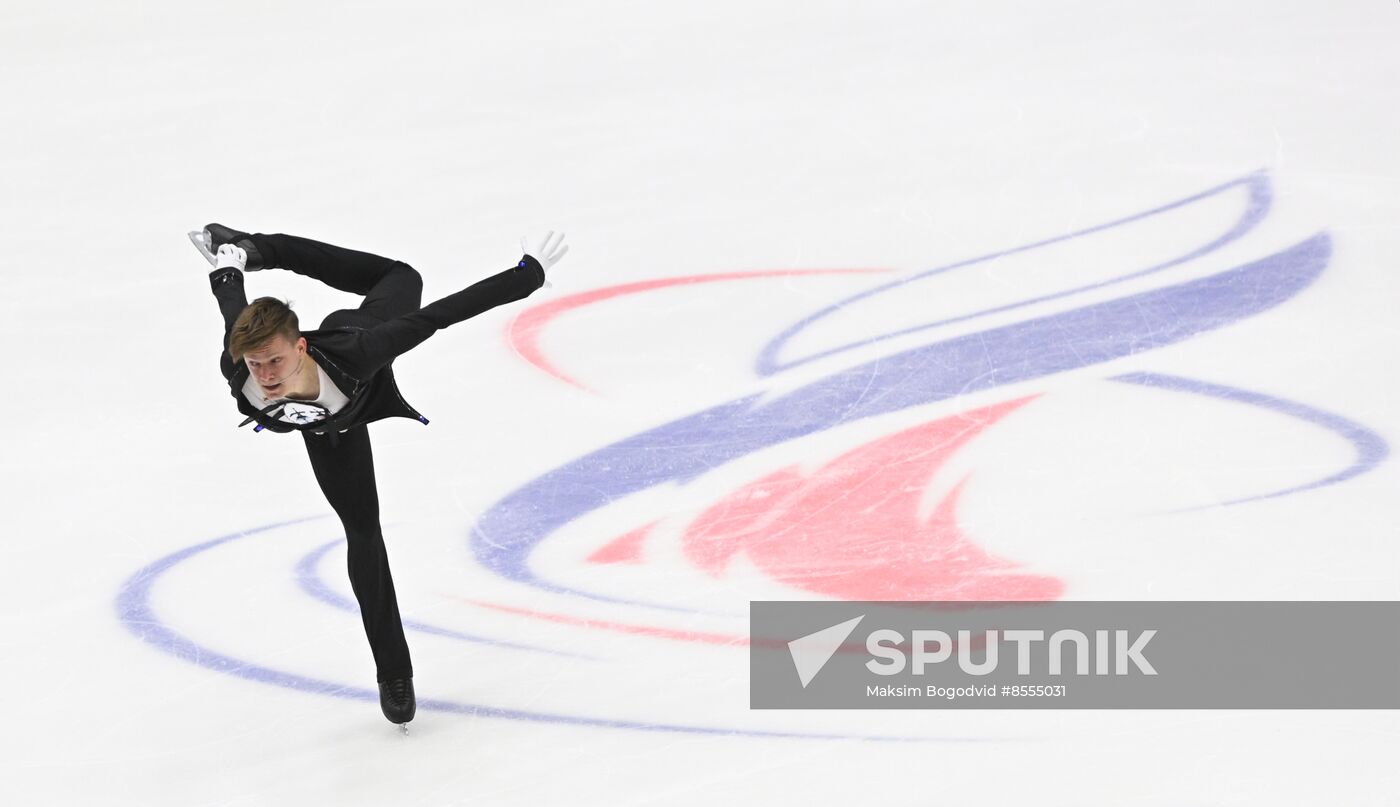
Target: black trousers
<point>344,466</point>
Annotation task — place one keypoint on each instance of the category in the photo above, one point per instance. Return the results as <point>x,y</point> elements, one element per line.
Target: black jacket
<point>357,354</point>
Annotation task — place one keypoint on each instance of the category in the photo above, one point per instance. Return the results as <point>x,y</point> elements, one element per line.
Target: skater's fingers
<point>561,254</point>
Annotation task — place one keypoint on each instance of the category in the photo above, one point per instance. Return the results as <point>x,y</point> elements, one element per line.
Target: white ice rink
<point>1168,228</point>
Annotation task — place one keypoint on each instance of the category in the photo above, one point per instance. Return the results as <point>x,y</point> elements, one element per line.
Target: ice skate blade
<point>197,238</point>
<point>403,729</point>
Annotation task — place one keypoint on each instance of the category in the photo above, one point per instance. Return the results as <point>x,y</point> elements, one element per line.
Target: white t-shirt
<point>331,397</point>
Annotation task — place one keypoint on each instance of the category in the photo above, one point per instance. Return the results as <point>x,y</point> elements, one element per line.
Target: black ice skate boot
<point>397,701</point>
<point>216,235</point>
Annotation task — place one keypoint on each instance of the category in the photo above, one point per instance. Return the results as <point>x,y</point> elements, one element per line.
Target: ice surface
<point>1134,262</point>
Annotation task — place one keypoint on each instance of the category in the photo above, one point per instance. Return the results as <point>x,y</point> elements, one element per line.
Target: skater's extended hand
<point>230,256</point>
<point>546,253</point>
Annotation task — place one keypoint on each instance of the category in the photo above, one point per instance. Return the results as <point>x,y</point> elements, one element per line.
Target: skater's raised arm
<point>226,281</point>
<point>383,343</point>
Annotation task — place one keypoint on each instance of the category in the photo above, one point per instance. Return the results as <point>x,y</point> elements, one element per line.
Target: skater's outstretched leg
<point>391,288</point>
<point>399,291</point>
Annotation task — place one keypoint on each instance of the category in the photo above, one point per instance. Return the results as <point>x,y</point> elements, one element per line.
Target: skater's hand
<point>546,253</point>
<point>230,256</point>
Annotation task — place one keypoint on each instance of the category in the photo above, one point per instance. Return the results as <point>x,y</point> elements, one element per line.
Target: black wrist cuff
<point>529,264</point>
<point>220,278</point>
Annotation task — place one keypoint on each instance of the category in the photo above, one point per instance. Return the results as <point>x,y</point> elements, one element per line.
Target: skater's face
<point>276,363</point>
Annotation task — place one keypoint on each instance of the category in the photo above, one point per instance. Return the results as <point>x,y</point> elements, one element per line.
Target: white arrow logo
<point>811,652</point>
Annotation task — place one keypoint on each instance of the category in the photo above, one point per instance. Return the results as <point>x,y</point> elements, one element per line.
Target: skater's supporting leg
<point>344,467</point>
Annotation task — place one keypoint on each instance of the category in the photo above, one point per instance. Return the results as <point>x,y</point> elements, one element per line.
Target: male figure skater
<point>329,383</point>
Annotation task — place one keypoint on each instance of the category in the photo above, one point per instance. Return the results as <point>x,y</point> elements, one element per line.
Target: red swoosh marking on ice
<point>523,332</point>
<point>850,530</point>
<point>619,627</point>
<point>704,637</point>
<point>626,548</point>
